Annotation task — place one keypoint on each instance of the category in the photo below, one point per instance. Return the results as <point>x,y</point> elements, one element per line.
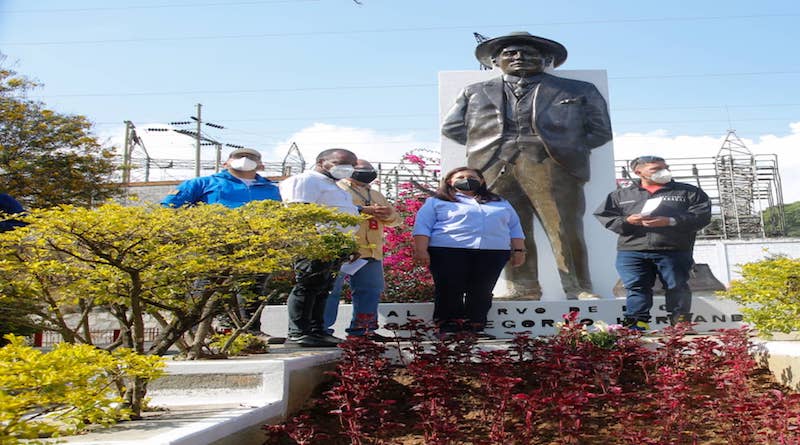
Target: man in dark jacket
<point>657,220</point>
<point>531,133</point>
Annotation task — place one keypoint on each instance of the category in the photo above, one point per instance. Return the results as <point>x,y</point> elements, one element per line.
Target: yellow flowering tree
<point>175,265</point>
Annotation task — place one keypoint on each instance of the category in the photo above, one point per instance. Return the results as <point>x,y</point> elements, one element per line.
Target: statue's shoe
<point>582,295</point>
<point>586,295</point>
<point>522,296</point>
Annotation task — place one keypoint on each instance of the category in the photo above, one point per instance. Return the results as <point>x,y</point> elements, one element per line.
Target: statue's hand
<point>517,258</point>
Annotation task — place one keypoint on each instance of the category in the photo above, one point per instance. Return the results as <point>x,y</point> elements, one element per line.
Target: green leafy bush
<point>769,292</point>
<point>62,391</point>
<point>239,345</point>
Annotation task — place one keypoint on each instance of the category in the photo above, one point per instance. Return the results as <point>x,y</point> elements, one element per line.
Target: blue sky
<point>333,73</point>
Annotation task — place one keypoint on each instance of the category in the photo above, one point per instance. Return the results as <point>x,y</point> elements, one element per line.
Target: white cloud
<point>368,144</point>
<point>659,142</point>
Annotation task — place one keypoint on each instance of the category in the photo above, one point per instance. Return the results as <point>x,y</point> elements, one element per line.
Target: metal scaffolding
<point>745,190</point>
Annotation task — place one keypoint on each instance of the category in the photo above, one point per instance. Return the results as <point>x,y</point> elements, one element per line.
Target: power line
<point>390,86</point>
<point>405,30</point>
<point>259,90</point>
<point>417,115</point>
<point>671,76</point>
<point>702,107</point>
<point>166,6</point>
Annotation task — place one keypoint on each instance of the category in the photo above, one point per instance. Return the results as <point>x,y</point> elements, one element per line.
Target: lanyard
<point>366,199</point>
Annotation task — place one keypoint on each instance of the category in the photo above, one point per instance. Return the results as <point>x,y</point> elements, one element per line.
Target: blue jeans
<point>638,271</point>
<point>366,286</point>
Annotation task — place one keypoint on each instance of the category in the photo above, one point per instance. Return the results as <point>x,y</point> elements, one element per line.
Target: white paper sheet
<point>650,205</point>
<point>352,267</point>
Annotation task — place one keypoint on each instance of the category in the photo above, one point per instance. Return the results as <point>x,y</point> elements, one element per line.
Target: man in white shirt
<point>315,278</point>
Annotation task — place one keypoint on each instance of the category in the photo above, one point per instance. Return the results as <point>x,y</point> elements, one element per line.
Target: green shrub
<point>769,292</point>
<point>242,344</point>
<point>62,391</point>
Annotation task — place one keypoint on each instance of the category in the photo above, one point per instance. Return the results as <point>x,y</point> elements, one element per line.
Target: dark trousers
<point>306,303</point>
<point>463,282</point>
<point>638,271</point>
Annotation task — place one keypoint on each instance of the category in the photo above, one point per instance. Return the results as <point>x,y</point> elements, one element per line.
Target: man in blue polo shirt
<point>234,187</point>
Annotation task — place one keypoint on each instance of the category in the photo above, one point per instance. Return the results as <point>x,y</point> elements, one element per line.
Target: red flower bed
<point>578,387</point>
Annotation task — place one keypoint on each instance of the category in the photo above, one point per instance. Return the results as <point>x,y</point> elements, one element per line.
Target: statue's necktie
<point>521,87</point>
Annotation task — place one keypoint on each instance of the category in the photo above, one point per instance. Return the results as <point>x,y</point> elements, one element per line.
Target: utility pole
<point>126,154</point>
<point>198,140</point>
<point>219,157</point>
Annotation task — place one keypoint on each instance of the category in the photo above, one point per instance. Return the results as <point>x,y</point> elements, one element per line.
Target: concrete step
<point>221,402</point>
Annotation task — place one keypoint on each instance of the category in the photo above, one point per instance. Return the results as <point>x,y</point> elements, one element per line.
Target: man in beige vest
<point>366,283</point>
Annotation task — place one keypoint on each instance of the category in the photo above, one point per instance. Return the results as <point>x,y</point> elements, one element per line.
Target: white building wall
<point>725,257</point>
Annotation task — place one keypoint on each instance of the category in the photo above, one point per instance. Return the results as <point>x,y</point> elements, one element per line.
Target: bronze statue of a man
<point>531,133</point>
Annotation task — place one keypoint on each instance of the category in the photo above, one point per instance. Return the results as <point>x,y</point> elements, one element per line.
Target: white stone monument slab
<point>535,317</point>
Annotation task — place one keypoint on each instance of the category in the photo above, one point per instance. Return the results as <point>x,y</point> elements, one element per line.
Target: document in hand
<point>352,267</point>
<point>650,206</point>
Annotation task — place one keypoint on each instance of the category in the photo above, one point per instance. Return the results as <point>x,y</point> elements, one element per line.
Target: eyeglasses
<point>645,160</point>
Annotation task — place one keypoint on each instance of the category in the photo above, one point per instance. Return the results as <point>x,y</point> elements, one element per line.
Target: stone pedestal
<point>534,317</point>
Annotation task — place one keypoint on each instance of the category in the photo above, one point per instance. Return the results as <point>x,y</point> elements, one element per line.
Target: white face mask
<point>341,171</point>
<point>662,176</point>
<point>243,164</point>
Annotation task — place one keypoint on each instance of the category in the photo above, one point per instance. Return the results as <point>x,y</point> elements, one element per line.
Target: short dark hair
<point>326,154</point>
<point>647,159</point>
<point>447,192</point>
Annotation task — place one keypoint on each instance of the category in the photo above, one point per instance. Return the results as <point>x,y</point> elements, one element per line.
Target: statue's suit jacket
<point>570,116</point>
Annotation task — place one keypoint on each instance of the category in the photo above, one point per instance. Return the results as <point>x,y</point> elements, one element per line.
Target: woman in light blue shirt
<point>466,234</point>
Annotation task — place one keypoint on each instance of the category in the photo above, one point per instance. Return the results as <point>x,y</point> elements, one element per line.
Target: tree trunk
<point>138,386</point>
<point>203,329</point>
<point>134,396</point>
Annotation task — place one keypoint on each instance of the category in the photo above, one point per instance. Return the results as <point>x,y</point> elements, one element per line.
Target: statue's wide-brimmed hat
<point>489,48</point>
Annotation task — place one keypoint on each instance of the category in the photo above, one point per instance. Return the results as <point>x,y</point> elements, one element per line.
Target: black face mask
<point>467,185</point>
<point>365,176</point>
